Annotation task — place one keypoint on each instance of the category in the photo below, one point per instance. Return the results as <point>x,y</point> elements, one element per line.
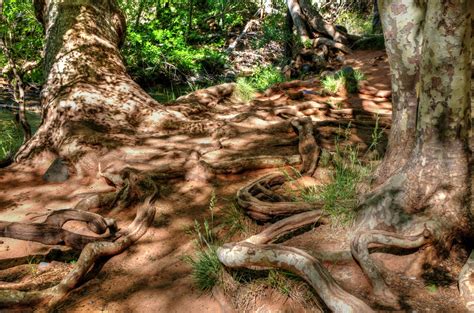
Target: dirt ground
<point>152,276</point>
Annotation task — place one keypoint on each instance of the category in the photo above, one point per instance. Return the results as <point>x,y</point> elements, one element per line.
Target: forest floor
<point>152,275</point>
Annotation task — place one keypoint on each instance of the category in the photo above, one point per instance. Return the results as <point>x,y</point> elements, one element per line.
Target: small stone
<point>57,172</point>
<point>43,266</point>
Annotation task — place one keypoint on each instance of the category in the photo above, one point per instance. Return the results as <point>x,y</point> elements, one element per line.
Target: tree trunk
<point>404,53</point>
<point>428,194</point>
<point>88,94</point>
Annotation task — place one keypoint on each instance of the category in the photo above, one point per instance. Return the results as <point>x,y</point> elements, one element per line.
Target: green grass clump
<point>206,267</point>
<point>245,91</point>
<point>264,77</point>
<point>260,80</point>
<point>234,221</point>
<point>349,79</point>
<point>332,83</point>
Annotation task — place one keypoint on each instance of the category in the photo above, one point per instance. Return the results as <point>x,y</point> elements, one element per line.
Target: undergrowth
<point>355,23</point>
<point>11,136</point>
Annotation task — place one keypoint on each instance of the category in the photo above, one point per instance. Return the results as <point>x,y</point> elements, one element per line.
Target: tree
<point>423,185</point>
<point>94,114</point>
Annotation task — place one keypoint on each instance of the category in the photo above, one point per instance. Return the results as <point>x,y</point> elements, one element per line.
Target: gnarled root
<point>50,232</point>
<point>255,253</point>
<point>308,148</point>
<point>256,199</point>
<point>132,186</point>
<point>90,254</point>
<point>360,251</point>
<point>466,283</point>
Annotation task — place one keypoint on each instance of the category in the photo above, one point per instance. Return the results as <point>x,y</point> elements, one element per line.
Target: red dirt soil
<point>151,276</point>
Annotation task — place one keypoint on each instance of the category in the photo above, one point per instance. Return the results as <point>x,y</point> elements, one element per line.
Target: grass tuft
<point>245,91</point>
<point>206,268</point>
<point>346,78</point>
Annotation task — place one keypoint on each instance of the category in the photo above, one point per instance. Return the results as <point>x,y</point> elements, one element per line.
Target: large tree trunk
<point>403,40</point>
<point>88,94</point>
<point>428,190</point>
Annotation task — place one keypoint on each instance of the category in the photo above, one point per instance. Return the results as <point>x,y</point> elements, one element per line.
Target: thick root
<point>308,148</point>
<point>466,283</point>
<point>360,251</point>
<point>131,186</point>
<point>285,226</point>
<point>90,254</point>
<point>247,255</point>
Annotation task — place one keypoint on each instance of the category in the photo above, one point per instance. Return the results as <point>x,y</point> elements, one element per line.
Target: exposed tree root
<point>90,254</point>
<point>255,253</point>
<point>308,148</point>
<point>252,199</point>
<point>132,187</point>
<point>466,283</point>
<point>360,251</point>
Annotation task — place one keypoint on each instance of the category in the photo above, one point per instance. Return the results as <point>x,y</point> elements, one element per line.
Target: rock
<point>57,172</point>
<point>43,266</point>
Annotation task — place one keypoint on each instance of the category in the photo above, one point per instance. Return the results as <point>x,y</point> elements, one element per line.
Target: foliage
<point>234,220</point>
<point>24,36</point>
<point>272,30</point>
<point>260,80</point>
<point>355,23</point>
<point>206,268</point>
<point>245,90</point>
<point>173,40</point>
<point>264,77</point>
<point>331,83</point>
<point>151,52</point>
<point>11,135</point>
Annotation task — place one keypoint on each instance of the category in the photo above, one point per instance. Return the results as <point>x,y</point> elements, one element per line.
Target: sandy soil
<point>151,276</point>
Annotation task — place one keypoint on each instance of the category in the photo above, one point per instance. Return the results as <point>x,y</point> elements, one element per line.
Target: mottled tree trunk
<point>88,97</point>
<point>401,21</point>
<point>425,195</point>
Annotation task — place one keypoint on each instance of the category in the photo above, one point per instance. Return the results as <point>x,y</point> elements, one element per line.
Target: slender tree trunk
<point>376,22</point>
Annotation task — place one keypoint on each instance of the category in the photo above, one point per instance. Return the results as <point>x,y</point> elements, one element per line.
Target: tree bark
<point>87,92</point>
<point>403,39</point>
